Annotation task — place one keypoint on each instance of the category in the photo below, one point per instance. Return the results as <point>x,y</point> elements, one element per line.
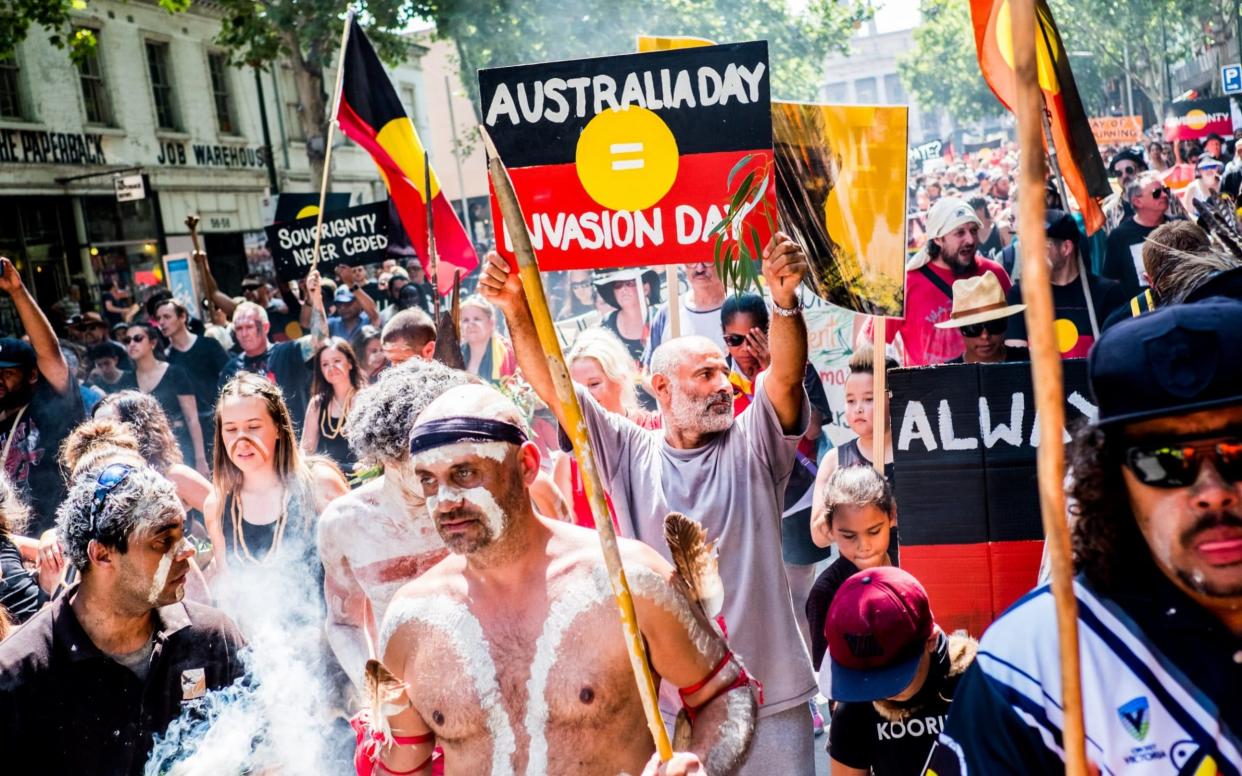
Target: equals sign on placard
<point>619,149</point>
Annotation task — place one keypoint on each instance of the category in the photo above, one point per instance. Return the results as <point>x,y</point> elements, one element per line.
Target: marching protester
<point>89,682</point>
<point>1157,539</point>
<point>200,357</point>
<point>1231,180</point>
<point>39,405</point>
<point>486,353</point>
<point>106,358</point>
<point>581,298</point>
<point>23,591</point>
<point>170,386</point>
<point>338,378</point>
<point>354,309</point>
<point>1165,248</point>
<point>1206,183</point>
<point>629,320</point>
<point>283,363</point>
<point>369,349</point>
<point>700,309</point>
<point>950,254</point>
<point>729,474</point>
<point>982,315</point>
<point>860,416</point>
<point>1149,197</point>
<point>502,609</point>
<point>894,671</point>
<point>1124,166</point>
<point>409,334</point>
<point>993,237</point>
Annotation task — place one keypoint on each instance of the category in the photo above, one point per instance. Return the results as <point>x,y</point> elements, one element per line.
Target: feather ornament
<point>695,560</point>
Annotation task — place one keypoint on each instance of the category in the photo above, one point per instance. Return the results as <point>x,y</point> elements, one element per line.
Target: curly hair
<point>378,426</point>
<point>146,416</point>
<point>1104,534</point>
<point>143,497</point>
<point>93,442</point>
<point>14,514</point>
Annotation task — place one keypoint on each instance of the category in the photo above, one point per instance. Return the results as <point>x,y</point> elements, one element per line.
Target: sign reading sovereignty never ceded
<point>353,236</point>
<point>625,160</point>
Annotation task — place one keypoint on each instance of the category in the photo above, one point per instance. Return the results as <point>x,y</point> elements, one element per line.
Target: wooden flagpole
<point>327,152</point>
<point>1046,375</point>
<point>532,286</point>
<point>433,261</point>
<point>674,301</point>
<point>879,393</point>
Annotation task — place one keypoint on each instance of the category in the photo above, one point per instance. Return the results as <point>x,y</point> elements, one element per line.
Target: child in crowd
<point>859,517</point>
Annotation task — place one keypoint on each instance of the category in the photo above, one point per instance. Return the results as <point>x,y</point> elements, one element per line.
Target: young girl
<point>858,515</point>
<point>338,377</point>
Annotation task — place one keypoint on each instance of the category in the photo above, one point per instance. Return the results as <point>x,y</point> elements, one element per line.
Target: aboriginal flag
<point>370,114</point>
<point>1077,153</point>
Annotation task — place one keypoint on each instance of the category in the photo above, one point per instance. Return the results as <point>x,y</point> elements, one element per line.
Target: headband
<point>448,431</point>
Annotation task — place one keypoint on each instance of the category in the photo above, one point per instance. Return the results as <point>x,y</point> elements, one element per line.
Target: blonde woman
<point>486,353</point>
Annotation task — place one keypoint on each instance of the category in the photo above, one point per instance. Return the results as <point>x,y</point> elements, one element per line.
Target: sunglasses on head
<point>997,326</point>
<point>134,338</point>
<point>734,340</point>
<point>108,481</point>
<point>1176,463</point>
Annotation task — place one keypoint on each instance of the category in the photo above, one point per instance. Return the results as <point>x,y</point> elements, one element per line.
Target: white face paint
<point>446,454</point>
<point>479,498</point>
<point>455,621</point>
<point>161,574</point>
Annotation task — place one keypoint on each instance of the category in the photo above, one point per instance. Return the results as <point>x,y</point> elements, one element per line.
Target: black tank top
<point>259,538</point>
<point>336,448</point>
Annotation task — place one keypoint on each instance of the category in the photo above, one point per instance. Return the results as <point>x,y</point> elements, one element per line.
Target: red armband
<point>743,679</point>
<point>370,741</point>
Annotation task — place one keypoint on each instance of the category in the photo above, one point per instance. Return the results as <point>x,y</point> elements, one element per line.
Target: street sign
<point>129,188</point>
<point>1231,79</point>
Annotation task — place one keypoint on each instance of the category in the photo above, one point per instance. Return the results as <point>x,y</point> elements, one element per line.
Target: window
<point>865,91</point>
<point>10,88</point>
<point>94,91</point>
<point>293,122</point>
<point>218,64</point>
<point>408,100</point>
<point>835,93</point>
<point>161,85</point>
<point>893,91</point>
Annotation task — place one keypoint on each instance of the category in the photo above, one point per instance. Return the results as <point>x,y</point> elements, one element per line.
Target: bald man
<point>521,617</point>
<point>728,473</point>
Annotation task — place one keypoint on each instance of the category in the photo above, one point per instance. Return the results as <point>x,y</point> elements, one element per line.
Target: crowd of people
<point>297,457</point>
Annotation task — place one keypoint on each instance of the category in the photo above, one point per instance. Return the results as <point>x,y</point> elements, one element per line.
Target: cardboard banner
<point>932,149</point>
<point>841,188</point>
<point>964,441</point>
<point>625,160</point>
<point>1193,119</point>
<point>356,235</point>
<point>1117,130</point>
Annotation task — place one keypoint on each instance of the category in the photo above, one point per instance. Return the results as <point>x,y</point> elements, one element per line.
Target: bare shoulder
<point>329,480</point>
<point>417,600</point>
<point>350,511</point>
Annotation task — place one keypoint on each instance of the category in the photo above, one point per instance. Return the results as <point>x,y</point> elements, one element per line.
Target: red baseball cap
<point>877,630</point>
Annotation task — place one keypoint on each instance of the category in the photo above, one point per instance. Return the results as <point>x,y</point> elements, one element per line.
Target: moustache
<point>1209,521</point>
<point>459,514</point>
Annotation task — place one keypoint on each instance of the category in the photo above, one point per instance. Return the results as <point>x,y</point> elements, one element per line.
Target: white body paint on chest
<point>583,595</point>
<point>466,634</point>
<point>646,583</point>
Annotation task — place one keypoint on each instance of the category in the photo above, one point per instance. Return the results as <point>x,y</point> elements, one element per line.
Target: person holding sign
<point>727,473</point>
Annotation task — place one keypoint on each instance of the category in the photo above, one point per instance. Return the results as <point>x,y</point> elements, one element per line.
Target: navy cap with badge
<point>16,353</point>
<point>1173,361</point>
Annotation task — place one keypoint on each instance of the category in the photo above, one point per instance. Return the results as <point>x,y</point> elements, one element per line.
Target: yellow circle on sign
<point>308,211</point>
<point>1067,334</point>
<point>627,159</point>
<point>1196,119</point>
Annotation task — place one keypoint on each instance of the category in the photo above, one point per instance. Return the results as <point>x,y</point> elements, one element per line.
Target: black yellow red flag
<point>371,115</point>
<point>1077,153</point>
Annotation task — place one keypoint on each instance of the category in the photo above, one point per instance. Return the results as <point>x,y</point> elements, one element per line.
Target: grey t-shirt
<point>734,486</point>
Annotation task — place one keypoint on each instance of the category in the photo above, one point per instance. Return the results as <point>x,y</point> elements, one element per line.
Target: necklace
<point>329,428</point>
<point>239,529</point>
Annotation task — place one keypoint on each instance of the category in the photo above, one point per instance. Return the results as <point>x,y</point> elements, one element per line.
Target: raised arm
<point>48,357</point>
<point>504,289</point>
<point>318,316</point>
<point>784,265</point>
<point>210,289</point>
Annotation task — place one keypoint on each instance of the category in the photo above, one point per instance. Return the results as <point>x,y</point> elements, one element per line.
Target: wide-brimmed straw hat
<point>603,280</point>
<point>976,300</point>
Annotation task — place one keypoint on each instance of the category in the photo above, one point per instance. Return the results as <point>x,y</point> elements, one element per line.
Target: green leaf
<point>741,195</point>
<point>745,160</point>
<point>754,238</point>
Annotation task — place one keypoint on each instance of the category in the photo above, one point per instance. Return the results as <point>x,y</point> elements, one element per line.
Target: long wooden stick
<point>532,285</point>
<point>1046,375</point>
<point>674,301</point>
<point>433,261</point>
<point>327,153</point>
<point>879,393</point>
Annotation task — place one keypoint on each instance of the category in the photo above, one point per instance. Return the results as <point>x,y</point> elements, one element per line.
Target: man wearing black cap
<point>1125,166</point>
<point>39,404</point>
<point>1079,314</point>
<point>894,672</point>
<point>1157,540</point>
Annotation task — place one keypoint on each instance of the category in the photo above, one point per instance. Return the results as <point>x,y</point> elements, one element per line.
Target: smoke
<point>282,713</point>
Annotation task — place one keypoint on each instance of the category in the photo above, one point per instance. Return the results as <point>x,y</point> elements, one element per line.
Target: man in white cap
<point>950,254</point>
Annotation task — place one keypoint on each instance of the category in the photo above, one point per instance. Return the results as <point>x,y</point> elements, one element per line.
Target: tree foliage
<point>55,16</point>
<point>491,33</point>
<point>942,70</point>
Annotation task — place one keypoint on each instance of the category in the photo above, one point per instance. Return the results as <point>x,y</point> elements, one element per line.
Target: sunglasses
<point>734,340</point>
<point>997,326</point>
<point>1127,170</point>
<point>582,284</point>
<point>134,338</point>
<point>108,481</point>
<point>1176,464</point>
<point>1159,192</point>
<point>617,285</point>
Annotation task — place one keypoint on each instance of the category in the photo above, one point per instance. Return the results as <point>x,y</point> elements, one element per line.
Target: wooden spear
<point>433,261</point>
<point>327,154</point>
<point>532,286</point>
<point>1046,375</point>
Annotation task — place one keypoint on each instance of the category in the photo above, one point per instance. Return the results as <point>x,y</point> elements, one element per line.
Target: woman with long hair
<point>336,381</point>
<point>266,495</point>
<point>156,443</point>
<point>369,348</point>
<point>170,385</point>
<point>631,320</point>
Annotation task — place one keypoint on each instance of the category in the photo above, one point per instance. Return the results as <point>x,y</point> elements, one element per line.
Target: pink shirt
<point>927,305</point>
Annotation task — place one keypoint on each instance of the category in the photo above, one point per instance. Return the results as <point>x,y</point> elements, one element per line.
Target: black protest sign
<point>356,235</point>
<point>924,151</point>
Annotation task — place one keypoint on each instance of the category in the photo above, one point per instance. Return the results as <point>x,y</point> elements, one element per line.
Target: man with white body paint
<point>378,537</point>
<point>511,649</point>
<point>727,473</point>
<point>88,682</point>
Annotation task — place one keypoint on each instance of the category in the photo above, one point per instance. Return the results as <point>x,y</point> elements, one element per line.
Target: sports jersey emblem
<point>1135,718</point>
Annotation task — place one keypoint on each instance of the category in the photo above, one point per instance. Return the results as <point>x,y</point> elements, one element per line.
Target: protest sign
<point>929,150</point>
<point>1193,119</point>
<point>625,160</point>
<point>180,279</point>
<point>841,190</point>
<point>1116,130</point>
<point>356,235</point>
<point>292,206</point>
<point>964,442</point>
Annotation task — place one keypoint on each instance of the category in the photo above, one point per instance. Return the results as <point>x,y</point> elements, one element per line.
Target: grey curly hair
<point>142,498</point>
<point>378,427</point>
<point>14,514</point>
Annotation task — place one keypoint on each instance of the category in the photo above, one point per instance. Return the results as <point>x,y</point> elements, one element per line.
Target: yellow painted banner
<point>1116,130</point>
<point>841,189</point>
<point>668,42</point>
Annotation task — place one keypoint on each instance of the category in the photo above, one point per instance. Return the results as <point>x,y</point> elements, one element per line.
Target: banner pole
<point>532,285</point>
<point>1056,173</point>
<point>433,261</point>
<point>879,392</point>
<point>674,301</point>
<point>1046,375</point>
<point>327,152</point>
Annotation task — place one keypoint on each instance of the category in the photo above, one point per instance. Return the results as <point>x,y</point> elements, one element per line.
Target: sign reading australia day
<point>625,160</point>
